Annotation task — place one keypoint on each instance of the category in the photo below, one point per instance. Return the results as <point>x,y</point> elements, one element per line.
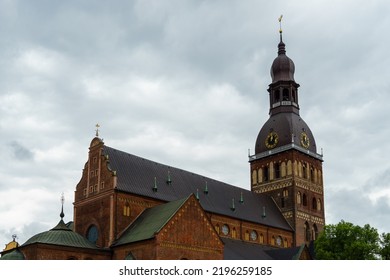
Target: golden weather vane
<point>280,23</point>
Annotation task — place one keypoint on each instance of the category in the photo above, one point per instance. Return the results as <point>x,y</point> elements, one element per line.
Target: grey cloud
<point>356,207</point>
<point>20,152</point>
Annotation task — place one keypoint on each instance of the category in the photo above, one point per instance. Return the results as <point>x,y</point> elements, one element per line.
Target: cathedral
<point>129,207</point>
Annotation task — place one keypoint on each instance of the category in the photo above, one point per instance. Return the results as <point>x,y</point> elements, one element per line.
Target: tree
<point>385,246</point>
<point>346,241</point>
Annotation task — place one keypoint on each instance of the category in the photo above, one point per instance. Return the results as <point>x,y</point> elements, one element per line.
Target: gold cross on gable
<point>97,130</point>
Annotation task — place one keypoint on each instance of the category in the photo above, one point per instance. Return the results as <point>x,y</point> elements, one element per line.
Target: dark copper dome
<point>290,128</point>
<point>283,67</point>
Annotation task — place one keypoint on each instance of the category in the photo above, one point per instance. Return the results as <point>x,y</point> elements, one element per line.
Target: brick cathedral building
<point>128,207</point>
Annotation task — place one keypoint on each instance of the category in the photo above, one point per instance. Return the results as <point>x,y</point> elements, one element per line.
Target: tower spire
<point>280,27</point>
<point>281,45</point>
<point>62,215</point>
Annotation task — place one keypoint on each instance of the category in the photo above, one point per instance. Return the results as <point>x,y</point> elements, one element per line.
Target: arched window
<point>246,235</point>
<point>307,231</point>
<point>304,170</point>
<point>285,243</point>
<point>93,234</point>
<point>300,169</point>
<point>234,233</point>
<point>217,228</point>
<point>277,170</point>
<point>260,175</point>
<point>273,240</point>
<point>314,204</point>
<point>265,174</point>
<point>261,238</point>
<point>304,199</point>
<point>276,96</point>
<point>126,210</point>
<point>299,198</point>
<point>286,95</point>
<point>283,169</point>
<point>319,204</point>
<point>254,177</point>
<point>282,202</point>
<point>312,174</point>
<point>289,168</point>
<point>315,232</point>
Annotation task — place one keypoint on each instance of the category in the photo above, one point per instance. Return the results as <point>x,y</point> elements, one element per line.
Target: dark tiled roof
<point>150,222</point>
<point>241,250</point>
<point>61,235</point>
<point>138,176</point>
<point>286,253</point>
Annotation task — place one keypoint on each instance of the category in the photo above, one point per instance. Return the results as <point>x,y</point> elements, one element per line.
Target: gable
<point>190,227</point>
<point>149,222</point>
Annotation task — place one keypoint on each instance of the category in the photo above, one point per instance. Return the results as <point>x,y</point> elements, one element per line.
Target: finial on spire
<point>281,45</point>
<point>97,129</point>
<point>280,24</point>
<point>62,215</point>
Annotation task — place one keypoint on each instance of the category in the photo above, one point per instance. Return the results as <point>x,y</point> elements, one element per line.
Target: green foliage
<point>385,246</point>
<point>346,241</point>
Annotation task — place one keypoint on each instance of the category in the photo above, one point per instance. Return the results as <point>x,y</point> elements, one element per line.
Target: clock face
<point>253,235</point>
<point>305,141</point>
<point>225,229</point>
<point>272,140</point>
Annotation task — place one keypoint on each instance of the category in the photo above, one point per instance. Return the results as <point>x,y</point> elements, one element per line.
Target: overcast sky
<point>185,83</point>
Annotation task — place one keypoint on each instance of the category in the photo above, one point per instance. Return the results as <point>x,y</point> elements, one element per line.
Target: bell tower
<point>286,165</point>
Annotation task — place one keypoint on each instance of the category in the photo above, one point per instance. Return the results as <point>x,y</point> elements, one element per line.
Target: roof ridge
<point>176,168</point>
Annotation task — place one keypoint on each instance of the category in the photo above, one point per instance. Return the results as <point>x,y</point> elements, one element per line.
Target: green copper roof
<point>61,235</point>
<point>150,222</point>
<point>13,255</point>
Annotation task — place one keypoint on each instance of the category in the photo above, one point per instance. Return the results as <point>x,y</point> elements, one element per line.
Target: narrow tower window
<point>294,96</point>
<point>277,96</point>
<point>314,203</point>
<point>265,174</point>
<point>277,170</point>
<point>304,200</point>
<point>286,95</point>
<point>299,198</point>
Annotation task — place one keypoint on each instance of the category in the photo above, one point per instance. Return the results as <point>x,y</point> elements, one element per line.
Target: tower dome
<point>283,67</point>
